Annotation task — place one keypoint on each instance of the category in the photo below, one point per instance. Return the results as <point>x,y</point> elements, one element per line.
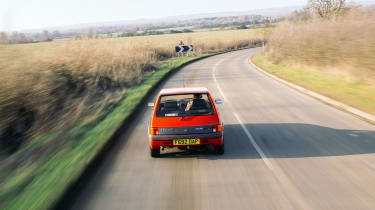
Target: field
<point>333,57</point>
<point>61,101</point>
<point>343,47</point>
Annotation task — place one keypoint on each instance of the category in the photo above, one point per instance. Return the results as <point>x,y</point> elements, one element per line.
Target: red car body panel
<point>188,122</point>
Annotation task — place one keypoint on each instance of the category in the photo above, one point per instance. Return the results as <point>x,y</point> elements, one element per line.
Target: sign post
<point>184,48</point>
<point>263,46</point>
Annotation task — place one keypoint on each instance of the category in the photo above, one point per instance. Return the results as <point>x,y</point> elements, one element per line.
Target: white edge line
<point>282,178</point>
<point>252,141</point>
<point>333,103</point>
<point>247,132</point>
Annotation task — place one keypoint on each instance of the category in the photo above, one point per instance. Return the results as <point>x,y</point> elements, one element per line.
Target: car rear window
<point>184,105</point>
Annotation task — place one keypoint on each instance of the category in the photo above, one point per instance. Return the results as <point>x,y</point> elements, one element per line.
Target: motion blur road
<point>283,150</point>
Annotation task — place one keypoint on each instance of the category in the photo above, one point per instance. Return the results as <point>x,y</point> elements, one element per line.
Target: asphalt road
<point>284,150</point>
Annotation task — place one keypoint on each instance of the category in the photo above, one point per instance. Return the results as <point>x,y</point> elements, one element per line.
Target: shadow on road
<point>289,140</point>
<point>278,140</point>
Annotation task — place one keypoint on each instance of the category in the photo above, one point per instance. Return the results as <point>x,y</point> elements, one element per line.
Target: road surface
<point>283,150</point>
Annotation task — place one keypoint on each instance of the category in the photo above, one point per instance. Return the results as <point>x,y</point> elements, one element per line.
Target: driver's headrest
<point>170,104</point>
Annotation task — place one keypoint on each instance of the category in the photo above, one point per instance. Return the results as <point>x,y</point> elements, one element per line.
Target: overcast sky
<point>34,14</point>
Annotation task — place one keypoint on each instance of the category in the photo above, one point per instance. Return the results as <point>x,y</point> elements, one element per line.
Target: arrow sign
<point>184,48</point>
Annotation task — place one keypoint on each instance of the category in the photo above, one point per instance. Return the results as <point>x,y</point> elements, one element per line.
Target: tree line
<point>126,30</point>
<point>21,38</point>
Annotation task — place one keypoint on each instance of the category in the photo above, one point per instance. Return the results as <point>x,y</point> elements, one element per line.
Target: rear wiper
<point>182,116</point>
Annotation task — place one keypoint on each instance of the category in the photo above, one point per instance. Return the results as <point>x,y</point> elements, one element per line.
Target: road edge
<point>71,192</point>
<point>333,103</point>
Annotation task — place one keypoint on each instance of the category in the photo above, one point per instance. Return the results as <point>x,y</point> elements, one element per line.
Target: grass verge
<point>39,186</point>
<point>357,94</point>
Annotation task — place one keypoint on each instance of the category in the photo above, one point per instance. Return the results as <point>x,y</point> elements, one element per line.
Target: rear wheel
<point>219,149</point>
<point>155,152</point>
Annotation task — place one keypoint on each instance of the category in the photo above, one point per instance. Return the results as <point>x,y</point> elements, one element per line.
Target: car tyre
<point>155,152</point>
<point>219,149</point>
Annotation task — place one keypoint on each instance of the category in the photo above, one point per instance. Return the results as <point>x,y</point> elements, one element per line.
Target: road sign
<point>184,48</point>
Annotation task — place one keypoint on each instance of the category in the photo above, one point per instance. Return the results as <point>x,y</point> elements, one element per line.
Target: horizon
<point>151,20</point>
<point>22,15</point>
<point>11,22</point>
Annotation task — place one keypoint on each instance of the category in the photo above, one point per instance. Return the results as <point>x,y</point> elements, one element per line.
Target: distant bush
<point>175,31</point>
<point>144,33</point>
<point>186,30</point>
<point>242,27</point>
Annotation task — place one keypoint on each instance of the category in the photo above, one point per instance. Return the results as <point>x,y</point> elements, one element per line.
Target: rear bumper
<point>157,141</point>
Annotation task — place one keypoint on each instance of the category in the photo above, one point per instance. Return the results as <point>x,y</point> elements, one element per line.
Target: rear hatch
<point>184,114</point>
<point>185,125</point>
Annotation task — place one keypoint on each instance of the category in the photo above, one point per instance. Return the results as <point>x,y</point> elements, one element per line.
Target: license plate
<point>186,141</point>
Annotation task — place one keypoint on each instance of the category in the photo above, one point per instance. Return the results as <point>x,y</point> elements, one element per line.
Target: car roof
<point>169,91</point>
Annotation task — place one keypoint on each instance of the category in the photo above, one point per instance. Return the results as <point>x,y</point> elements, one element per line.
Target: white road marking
<point>247,132</point>
<point>215,80</point>
<point>255,145</point>
<point>292,191</point>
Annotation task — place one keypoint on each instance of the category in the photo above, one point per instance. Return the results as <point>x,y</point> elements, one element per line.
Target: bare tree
<point>91,33</point>
<point>22,38</point>
<point>46,36</point>
<point>327,9</point>
<point>300,15</point>
<point>4,38</point>
<point>14,38</point>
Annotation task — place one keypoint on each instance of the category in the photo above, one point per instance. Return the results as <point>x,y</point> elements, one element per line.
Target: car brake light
<point>154,131</point>
<point>218,128</point>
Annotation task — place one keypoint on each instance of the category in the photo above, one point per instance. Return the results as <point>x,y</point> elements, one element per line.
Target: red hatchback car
<point>186,118</point>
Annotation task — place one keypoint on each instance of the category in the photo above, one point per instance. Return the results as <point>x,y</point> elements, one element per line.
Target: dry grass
<point>344,47</point>
<point>51,85</point>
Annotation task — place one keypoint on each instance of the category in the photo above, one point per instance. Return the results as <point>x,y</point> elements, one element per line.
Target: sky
<point>36,14</point>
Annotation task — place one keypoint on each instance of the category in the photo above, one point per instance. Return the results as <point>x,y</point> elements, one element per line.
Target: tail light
<point>217,128</point>
<point>154,131</point>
